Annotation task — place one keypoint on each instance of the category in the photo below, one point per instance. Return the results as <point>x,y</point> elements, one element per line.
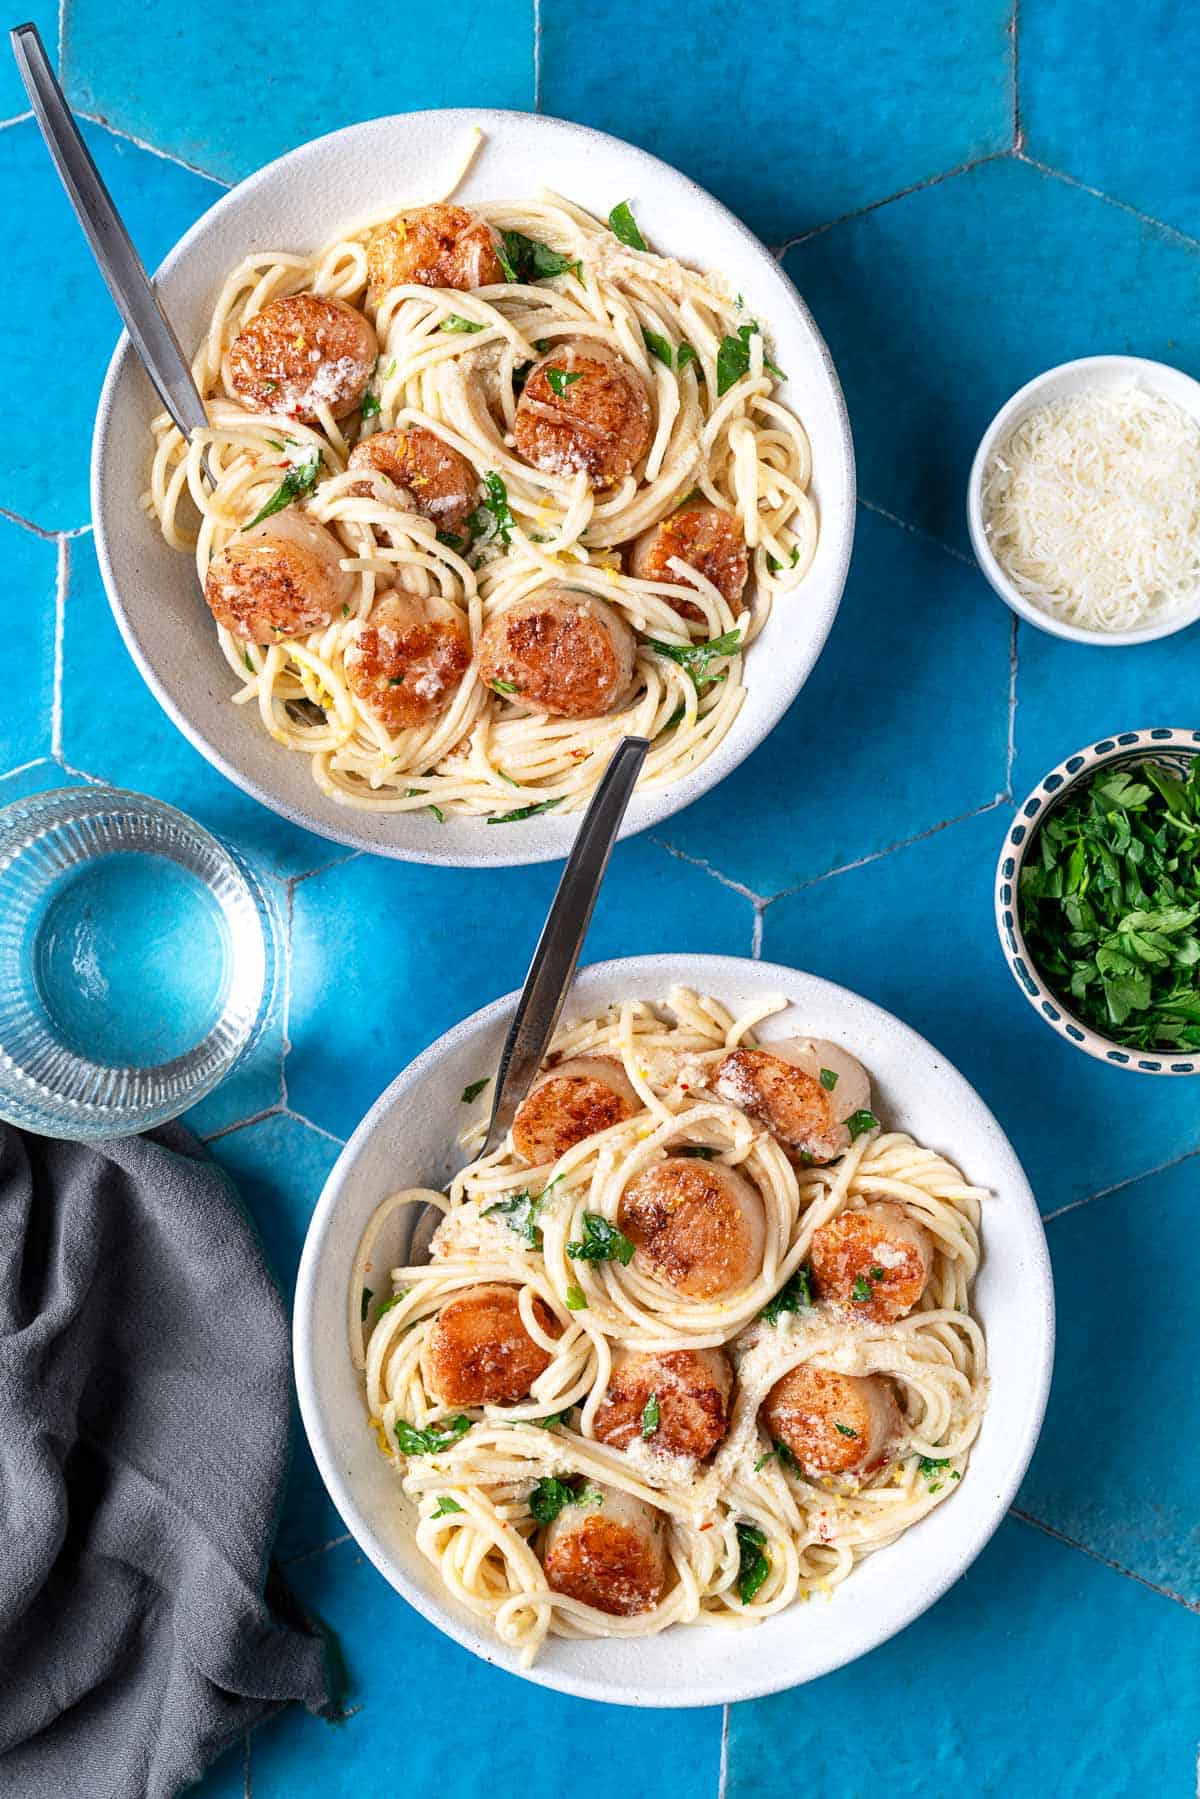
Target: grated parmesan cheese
<point>1092,508</point>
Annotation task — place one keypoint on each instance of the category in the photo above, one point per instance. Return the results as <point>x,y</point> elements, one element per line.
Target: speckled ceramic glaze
<point>301,201</point>
<point>407,1138</point>
<point>1174,748</point>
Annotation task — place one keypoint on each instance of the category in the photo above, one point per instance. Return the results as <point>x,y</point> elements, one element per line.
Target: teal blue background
<point>964,199</point>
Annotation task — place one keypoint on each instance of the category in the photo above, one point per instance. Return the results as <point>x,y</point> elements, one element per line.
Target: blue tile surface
<point>859,841</point>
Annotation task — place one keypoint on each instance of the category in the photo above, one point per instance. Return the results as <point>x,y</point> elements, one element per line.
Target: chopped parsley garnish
<point>434,1438</point>
<point>524,259</point>
<point>686,354</point>
<point>561,379</point>
<point>696,657</point>
<point>701,1151</point>
<point>858,1122</point>
<point>844,1429</point>
<point>794,1296</point>
<point>550,1494</point>
<point>389,1303</point>
<point>456,322</point>
<point>659,347</point>
<point>414,793</point>
<point>786,1458</point>
<point>650,1417</point>
<point>345,611</point>
<point>508,818</point>
<point>492,520</point>
<point>829,1079</point>
<point>299,480</point>
<point>453,541</point>
<point>549,1421</point>
<point>862,1289</point>
<point>1110,904</point>
<point>395,680</point>
<point>474,1090</point>
<point>601,1242</point>
<point>623,226</point>
<point>367,1297</point>
<point>370,405</point>
<point>248,660</point>
<point>576,1299</point>
<point>445,1506</point>
<point>504,687</point>
<point>776,567</point>
<point>733,359</point>
<point>753,1562</point>
<point>520,1213</point>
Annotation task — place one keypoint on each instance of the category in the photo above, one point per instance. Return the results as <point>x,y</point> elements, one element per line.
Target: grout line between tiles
<point>27,524</point>
<point>903,524</point>
<point>310,1555</point>
<point>22,767</point>
<point>846,868</point>
<point>1130,1180</point>
<point>756,935</point>
<point>312,1125</point>
<point>61,45</point>
<point>1060,1536</point>
<point>295,881</point>
<point>756,899</point>
<point>537,55</point>
<point>902,193</point>
<point>1043,168</point>
<point>141,143</point>
<point>1015,48</point>
<point>62,576</point>
<point>18,118</point>
<point>241,1124</point>
<point>723,1764</point>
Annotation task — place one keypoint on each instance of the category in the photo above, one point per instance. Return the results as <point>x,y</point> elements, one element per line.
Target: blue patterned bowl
<point>1175,748</point>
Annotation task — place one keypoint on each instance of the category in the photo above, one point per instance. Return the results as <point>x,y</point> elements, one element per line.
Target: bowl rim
<point>1050,791</point>
<point>1023,401</point>
<point>707,972</point>
<point>647,810</point>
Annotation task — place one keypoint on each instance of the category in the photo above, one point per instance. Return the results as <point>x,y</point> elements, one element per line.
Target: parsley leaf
<point>550,1494</point>
<point>794,1296</point>
<point>829,1079</point>
<point>844,1429</point>
<point>576,1299</point>
<point>786,1458</point>
<point>456,322</point>
<point>776,566</point>
<point>696,657</point>
<point>508,818</point>
<point>859,1122</point>
<point>520,1213</point>
<point>601,1242</point>
<point>700,1151</point>
<point>445,1506</point>
<point>686,354</point>
<point>650,1417</point>
<point>623,226</point>
<point>524,259</point>
<point>300,479</point>
<point>474,1090</point>
<point>492,520</point>
<point>561,379</point>
<point>370,405</point>
<point>733,359</point>
<point>658,346</point>
<point>433,1439</point>
<point>754,1564</point>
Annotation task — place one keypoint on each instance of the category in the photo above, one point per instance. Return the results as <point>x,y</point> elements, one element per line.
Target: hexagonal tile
<point>995,1692</point>
<point>114,727</point>
<point>1114,121</point>
<point>939,306</point>
<point>371,986</point>
<point>55,296</point>
<point>869,755</point>
<point>31,568</point>
<point>285,94</point>
<point>915,932</point>
<point>1095,1476</point>
<point>399,1664</point>
<point>852,105</point>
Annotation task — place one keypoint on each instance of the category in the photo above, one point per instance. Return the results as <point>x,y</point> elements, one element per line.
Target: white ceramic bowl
<point>406,1138</point>
<point>302,201</point>
<point>1055,384</point>
<point>1128,749</point>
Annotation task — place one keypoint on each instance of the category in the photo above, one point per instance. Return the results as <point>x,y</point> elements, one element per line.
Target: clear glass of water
<point>138,962</point>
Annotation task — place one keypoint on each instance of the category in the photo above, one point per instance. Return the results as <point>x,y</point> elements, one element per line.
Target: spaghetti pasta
<point>452,363</point>
<point>752,1528</point>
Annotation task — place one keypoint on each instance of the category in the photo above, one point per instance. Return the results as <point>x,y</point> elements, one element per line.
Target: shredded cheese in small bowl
<point>1084,504</point>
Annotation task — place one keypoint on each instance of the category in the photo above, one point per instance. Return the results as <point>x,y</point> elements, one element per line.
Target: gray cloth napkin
<point>144,1409</point>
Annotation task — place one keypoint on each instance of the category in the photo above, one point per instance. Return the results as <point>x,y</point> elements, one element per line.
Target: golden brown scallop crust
<point>561,1111</point>
<point>874,1262</point>
<point>435,246</point>
<point>684,1218</point>
<point>479,1350</point>
<point>434,479</point>
<point>708,539</point>
<point>832,1423</point>
<point>608,1565</point>
<point>692,1391</point>
<point>266,585</point>
<point>406,665</point>
<point>598,424</point>
<point>301,350</point>
<point>792,1104</point>
<point>558,653</point>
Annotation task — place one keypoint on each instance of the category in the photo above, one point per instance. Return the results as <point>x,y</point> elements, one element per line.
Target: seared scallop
<point>832,1423</point>
<point>583,408</point>
<point>708,539</point>
<point>568,654</point>
<point>802,1090</point>
<point>875,1262</point>
<point>480,1353</point>
<point>408,659</point>
<point>608,1551</point>
<point>433,479</point>
<point>279,579</point>
<point>568,1103</point>
<point>302,352</point>
<point>435,246</point>
<point>675,1400</point>
<point>699,1226</point>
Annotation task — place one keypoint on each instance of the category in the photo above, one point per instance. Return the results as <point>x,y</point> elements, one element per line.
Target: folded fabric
<point>144,1409</point>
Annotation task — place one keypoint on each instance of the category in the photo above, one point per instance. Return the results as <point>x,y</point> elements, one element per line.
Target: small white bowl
<point>1072,378</point>
<point>408,1135</point>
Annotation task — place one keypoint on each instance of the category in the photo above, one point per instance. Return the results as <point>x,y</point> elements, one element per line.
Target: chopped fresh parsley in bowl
<point>1101,904</point>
